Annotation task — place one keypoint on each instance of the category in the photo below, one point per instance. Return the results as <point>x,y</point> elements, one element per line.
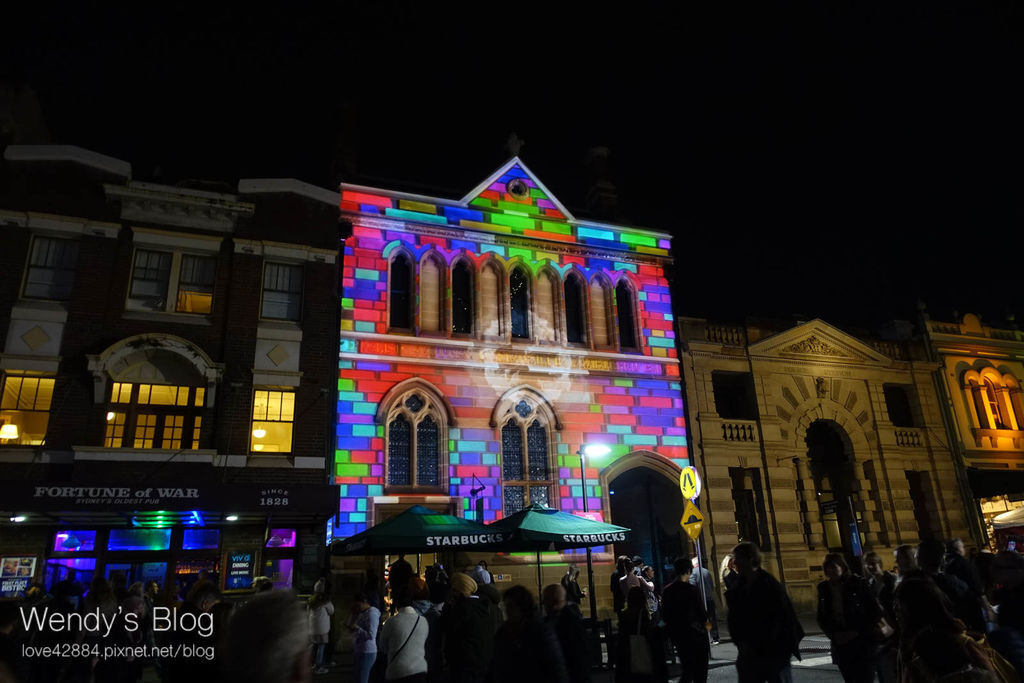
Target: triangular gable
<point>536,200</point>
<point>819,341</point>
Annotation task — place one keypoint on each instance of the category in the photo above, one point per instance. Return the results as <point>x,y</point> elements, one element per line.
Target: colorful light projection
<point>139,539</point>
<point>629,404</point>
<point>200,539</point>
<point>74,541</point>
<point>281,538</point>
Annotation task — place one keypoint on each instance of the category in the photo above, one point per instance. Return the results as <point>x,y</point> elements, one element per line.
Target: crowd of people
<point>940,615</point>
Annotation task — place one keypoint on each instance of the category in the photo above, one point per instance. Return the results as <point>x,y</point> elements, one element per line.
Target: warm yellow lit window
<point>195,285</point>
<point>273,413</point>
<point>114,437</point>
<point>196,431</point>
<point>200,399</point>
<point>121,393</point>
<point>173,425</point>
<point>145,430</point>
<point>25,410</point>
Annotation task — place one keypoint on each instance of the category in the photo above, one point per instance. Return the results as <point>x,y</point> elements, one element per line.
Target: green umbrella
<point>539,528</point>
<point>417,530</point>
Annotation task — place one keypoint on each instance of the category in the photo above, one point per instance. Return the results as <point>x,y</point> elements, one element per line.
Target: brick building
<point>814,440</point>
<point>484,341</point>
<point>169,361</point>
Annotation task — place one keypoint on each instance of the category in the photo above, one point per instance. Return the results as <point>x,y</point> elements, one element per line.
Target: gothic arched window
<point>575,320</point>
<point>600,300</point>
<point>399,292</point>
<point>462,298</point>
<point>431,293</point>
<point>490,301</point>
<point>627,315</point>
<point>526,471</point>
<point>546,307</point>
<point>416,441</point>
<point>519,302</point>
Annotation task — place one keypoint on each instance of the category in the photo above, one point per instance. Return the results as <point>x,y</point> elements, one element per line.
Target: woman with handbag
<point>849,615</point>
<point>403,640</point>
<point>638,659</point>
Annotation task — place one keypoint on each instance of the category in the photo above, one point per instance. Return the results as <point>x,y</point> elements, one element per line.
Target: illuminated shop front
<point>484,341</point>
<point>229,537</point>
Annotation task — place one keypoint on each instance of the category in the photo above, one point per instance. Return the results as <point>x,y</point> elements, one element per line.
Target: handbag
<point>378,674</point>
<point>640,650</point>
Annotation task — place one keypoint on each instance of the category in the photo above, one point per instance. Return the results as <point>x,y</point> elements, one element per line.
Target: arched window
<point>525,457</point>
<point>462,298</point>
<point>575,321</point>
<point>490,301</point>
<point>519,302</point>
<point>399,292</point>
<point>416,438</point>
<point>431,299</point>
<point>627,316</point>
<point>599,300</point>
<point>992,401</point>
<point>546,306</point>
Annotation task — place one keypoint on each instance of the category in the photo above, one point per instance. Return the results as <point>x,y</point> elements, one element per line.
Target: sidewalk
<point>722,655</point>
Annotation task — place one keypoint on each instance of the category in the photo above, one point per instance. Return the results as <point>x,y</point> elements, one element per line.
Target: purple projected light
<point>74,541</point>
<point>281,538</point>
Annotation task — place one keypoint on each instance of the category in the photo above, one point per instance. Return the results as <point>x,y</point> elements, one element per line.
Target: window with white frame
<point>172,281</point>
<point>416,438</point>
<point>273,417</point>
<point>51,268</point>
<point>282,292</point>
<point>525,457</point>
<point>25,409</point>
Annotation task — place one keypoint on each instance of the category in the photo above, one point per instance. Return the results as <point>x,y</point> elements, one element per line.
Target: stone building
<point>813,440</point>
<point>980,372</point>
<point>484,341</point>
<point>167,398</point>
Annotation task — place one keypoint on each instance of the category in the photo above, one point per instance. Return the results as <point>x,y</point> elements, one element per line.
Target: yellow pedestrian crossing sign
<point>689,483</point>
<point>692,520</point>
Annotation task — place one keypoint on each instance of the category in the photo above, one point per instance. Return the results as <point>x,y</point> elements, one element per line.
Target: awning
<point>1010,519</point>
<point>115,504</point>
<point>988,483</point>
<point>419,529</point>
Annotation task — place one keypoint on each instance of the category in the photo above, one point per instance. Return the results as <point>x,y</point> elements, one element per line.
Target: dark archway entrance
<point>650,504</point>
<point>830,455</point>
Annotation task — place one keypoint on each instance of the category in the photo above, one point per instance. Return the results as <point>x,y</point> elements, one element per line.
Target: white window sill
<point>164,316</point>
<point>157,455</point>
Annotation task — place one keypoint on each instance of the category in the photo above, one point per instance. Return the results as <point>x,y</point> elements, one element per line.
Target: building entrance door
<point>651,506</point>
<point>831,459</point>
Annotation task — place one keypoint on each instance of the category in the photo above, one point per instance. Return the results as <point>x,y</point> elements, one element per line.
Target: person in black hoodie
<point>618,597</point>
<point>526,648</point>
<point>467,625</point>
<point>762,622</point>
<point>572,636</point>
<point>686,619</point>
<point>848,613</point>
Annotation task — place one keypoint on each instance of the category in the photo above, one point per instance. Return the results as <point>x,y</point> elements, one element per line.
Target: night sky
<point>820,159</point>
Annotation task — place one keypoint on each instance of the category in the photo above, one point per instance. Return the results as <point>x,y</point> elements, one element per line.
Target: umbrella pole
<point>539,580</point>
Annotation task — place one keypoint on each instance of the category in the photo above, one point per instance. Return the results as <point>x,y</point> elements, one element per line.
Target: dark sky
<point>828,159</point>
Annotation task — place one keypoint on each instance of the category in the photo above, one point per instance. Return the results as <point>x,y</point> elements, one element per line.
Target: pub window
<point>546,307</point>
<point>399,288</point>
<point>599,312</point>
<point>462,298</point>
<point>171,281</point>
<point>25,410</point>
<point>575,320</point>
<point>282,292</point>
<point>519,303</point>
<point>162,416</point>
<point>627,315</point>
<point>431,296</point>
<point>51,269</point>
<point>525,458</point>
<point>416,435</point>
<point>273,415</point>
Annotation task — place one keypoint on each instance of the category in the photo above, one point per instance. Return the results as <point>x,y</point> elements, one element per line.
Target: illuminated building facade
<point>812,440</point>
<point>980,373</point>
<point>484,341</point>
<point>167,388</point>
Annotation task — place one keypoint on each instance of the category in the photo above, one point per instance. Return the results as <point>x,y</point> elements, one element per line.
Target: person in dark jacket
<point>883,587</point>
<point>526,648</point>
<point>848,613</point>
<point>762,622</point>
<point>572,636</point>
<point>571,583</point>
<point>636,620</point>
<point>965,602</point>
<point>1007,571</point>
<point>466,622</point>
<point>686,619</point>
<point>618,597</point>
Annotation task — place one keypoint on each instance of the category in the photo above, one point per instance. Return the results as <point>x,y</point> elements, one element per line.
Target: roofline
<point>70,153</point>
<point>502,170</point>
<point>290,185</point>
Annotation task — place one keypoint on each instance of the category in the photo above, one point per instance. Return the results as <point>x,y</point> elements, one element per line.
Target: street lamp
<point>596,450</point>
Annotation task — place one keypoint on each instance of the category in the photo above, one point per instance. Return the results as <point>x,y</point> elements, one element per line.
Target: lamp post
<point>593,451</point>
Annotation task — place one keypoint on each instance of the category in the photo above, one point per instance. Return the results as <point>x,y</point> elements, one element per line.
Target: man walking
<point>702,574</point>
<point>762,622</point>
<point>685,619</point>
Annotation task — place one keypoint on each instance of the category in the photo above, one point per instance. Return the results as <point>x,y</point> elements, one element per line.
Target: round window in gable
<point>518,188</point>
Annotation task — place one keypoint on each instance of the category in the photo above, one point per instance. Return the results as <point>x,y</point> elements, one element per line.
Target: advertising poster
<point>238,574</point>
<point>15,575</point>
